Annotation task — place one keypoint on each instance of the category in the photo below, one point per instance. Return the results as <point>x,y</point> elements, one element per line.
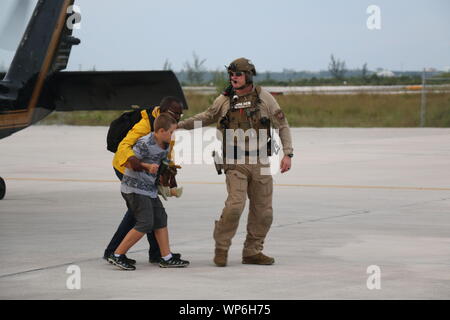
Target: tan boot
<point>259,258</point>
<point>220,257</point>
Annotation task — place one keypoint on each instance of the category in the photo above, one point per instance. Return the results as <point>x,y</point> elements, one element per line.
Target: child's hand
<point>152,168</point>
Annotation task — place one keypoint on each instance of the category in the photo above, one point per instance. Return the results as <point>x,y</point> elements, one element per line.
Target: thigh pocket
<point>264,186</point>
<point>236,181</point>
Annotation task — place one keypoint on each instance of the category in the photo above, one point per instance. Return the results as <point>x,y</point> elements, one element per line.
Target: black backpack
<point>119,127</point>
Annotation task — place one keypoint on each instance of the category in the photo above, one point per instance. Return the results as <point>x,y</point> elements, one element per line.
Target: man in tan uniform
<point>245,108</point>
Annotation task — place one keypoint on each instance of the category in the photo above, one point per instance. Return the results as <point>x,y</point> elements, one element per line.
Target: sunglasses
<point>176,114</point>
<point>236,74</point>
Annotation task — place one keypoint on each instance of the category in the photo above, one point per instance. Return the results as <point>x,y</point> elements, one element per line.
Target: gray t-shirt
<point>147,150</point>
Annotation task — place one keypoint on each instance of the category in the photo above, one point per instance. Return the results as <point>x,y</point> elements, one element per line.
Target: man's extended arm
<point>207,117</point>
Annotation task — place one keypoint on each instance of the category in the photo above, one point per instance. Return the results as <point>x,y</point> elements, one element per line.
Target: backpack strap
<point>151,118</point>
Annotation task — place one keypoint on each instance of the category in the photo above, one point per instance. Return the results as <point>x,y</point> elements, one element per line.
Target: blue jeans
<point>125,226</point>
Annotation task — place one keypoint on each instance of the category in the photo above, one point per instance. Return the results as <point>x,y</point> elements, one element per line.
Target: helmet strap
<point>247,84</point>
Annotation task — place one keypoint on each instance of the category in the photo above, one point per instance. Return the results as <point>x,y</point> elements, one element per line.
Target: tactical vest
<point>244,113</point>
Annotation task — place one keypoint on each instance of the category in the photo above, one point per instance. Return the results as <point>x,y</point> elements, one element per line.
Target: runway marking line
<point>221,183</point>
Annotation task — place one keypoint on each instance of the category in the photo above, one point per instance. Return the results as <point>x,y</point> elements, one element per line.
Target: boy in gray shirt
<point>139,189</point>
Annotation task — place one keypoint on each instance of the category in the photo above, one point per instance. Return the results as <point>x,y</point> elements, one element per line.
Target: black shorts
<point>148,212</point>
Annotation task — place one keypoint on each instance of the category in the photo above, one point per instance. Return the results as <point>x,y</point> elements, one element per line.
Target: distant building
<point>385,73</point>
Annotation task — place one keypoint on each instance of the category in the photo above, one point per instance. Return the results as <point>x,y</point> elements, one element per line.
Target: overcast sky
<point>276,35</point>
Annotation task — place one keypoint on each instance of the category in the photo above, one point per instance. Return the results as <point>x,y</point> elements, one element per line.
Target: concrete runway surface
<point>360,208</point>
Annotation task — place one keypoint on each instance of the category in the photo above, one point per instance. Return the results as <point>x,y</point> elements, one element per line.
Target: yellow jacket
<point>125,148</point>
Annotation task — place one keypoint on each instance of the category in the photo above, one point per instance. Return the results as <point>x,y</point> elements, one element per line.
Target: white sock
<point>168,257</point>
<point>116,255</point>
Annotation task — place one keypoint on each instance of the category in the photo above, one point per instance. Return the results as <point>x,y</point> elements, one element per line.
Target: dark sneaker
<point>173,262</point>
<point>157,259</point>
<point>121,262</point>
<point>130,261</point>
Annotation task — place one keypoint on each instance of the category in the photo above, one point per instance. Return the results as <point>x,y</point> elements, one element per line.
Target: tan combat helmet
<point>243,65</point>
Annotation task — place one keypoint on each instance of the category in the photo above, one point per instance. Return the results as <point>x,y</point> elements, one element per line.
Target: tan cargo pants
<point>244,180</point>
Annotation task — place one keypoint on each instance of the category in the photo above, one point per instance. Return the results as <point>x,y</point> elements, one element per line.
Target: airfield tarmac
<point>354,198</point>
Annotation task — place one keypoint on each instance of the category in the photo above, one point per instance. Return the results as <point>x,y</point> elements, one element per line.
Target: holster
<point>217,164</point>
